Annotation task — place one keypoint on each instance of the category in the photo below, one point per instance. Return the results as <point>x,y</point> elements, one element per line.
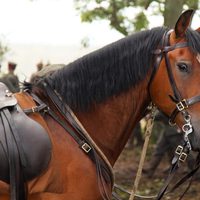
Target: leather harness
<point>182,105</point>
<point>104,173</point>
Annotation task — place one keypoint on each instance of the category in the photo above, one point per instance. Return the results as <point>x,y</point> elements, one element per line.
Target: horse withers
<point>95,102</point>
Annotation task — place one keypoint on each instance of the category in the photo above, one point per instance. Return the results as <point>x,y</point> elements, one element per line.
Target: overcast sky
<point>52,22</point>
<point>51,30</point>
<point>49,22</point>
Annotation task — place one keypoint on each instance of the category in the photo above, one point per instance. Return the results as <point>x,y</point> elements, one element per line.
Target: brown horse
<point>109,91</point>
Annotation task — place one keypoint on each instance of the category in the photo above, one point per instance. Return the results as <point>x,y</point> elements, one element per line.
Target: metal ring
<point>187,118</point>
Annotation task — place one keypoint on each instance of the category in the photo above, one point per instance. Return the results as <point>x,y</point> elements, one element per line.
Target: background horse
<point>109,91</point>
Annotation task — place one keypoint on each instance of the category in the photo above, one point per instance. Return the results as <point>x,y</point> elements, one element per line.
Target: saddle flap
<point>30,140</point>
<point>6,97</point>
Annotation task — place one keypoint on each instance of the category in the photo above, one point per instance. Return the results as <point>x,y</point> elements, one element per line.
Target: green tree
<point>117,12</point>
<point>3,50</point>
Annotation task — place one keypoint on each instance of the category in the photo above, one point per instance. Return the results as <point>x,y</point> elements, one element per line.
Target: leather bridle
<point>182,104</point>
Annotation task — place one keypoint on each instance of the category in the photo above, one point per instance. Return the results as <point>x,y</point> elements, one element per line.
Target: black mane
<point>111,69</point>
<point>193,39</point>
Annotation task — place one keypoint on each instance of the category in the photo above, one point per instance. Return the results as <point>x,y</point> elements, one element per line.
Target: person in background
<point>10,79</point>
<point>39,66</point>
<point>136,138</point>
<point>1,73</point>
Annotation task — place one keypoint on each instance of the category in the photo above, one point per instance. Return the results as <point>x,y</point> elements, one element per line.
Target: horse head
<point>175,86</point>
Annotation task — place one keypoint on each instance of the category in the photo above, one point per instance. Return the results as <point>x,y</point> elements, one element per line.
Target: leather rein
<point>182,104</point>
<point>71,126</point>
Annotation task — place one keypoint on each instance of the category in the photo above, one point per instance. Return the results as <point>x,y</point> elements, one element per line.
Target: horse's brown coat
<point>71,174</point>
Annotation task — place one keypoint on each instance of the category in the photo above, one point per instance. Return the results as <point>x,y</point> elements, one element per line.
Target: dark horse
<point>108,91</point>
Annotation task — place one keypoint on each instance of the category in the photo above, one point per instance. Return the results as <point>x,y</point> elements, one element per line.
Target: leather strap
<point>188,102</point>
<point>103,172</point>
<point>15,157</point>
<point>181,106</point>
<point>176,161</point>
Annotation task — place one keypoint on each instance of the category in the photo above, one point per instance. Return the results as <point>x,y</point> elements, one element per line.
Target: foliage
<point>3,50</point>
<point>127,16</point>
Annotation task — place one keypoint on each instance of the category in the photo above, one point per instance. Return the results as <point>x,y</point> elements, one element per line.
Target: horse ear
<point>183,23</point>
<point>198,29</point>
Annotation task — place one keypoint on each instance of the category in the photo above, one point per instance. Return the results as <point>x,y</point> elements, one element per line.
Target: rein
<point>80,135</point>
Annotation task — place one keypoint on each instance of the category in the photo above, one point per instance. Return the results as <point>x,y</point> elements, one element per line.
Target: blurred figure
<point>10,79</point>
<point>136,138</point>
<point>1,73</point>
<point>39,66</point>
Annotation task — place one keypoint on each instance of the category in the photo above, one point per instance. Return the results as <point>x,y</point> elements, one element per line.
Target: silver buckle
<point>86,147</point>
<point>182,105</point>
<point>179,150</point>
<point>34,109</point>
<point>183,157</point>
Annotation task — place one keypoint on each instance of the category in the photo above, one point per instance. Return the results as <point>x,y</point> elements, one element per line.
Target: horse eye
<point>183,67</point>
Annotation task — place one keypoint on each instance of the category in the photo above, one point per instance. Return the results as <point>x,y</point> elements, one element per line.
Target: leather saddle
<point>25,147</point>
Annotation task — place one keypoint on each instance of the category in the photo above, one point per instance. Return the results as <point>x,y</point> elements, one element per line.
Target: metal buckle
<point>34,109</point>
<point>8,93</point>
<point>183,157</point>
<point>86,147</point>
<point>182,105</point>
<point>179,150</point>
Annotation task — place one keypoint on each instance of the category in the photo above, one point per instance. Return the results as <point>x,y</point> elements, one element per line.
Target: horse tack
<point>38,140</point>
<point>23,156</point>
<point>73,126</point>
<point>182,105</point>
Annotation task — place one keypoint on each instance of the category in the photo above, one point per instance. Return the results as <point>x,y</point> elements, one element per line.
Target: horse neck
<point>111,123</point>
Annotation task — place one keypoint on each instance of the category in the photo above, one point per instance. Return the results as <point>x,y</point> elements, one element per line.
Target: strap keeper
<point>86,147</point>
<point>182,105</point>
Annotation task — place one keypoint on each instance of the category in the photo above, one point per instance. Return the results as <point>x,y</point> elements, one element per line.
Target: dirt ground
<point>125,170</point>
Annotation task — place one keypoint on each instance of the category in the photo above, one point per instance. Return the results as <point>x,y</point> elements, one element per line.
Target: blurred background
<point>36,33</point>
<point>59,31</point>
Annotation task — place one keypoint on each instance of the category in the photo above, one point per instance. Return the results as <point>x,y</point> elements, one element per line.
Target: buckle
<point>179,150</point>
<point>86,147</point>
<point>34,109</point>
<point>8,93</point>
<point>183,157</point>
<point>182,105</point>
